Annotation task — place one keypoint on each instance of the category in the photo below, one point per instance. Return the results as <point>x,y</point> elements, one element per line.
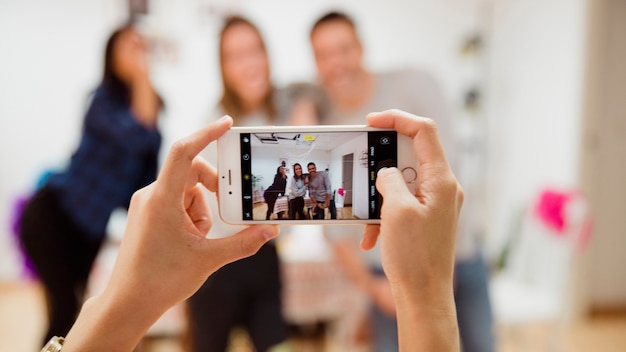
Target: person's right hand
<point>418,232</point>
<point>130,57</point>
<point>164,256</point>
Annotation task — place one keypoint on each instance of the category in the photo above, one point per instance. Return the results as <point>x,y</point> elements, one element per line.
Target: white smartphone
<point>307,174</point>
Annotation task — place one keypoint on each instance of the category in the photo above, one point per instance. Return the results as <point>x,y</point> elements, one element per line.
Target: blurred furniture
<point>534,286</point>
<point>282,204</point>
<point>316,291</point>
<point>257,195</point>
<point>339,195</point>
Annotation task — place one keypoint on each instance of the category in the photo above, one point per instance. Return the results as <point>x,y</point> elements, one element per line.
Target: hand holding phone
<point>417,237</point>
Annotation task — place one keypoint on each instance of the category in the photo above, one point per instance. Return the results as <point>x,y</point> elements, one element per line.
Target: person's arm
<point>145,103</point>
<point>297,190</point>
<point>417,235</point>
<point>329,190</point>
<point>283,184</point>
<point>109,119</point>
<point>164,256</point>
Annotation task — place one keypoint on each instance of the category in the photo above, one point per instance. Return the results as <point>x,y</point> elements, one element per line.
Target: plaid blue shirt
<point>115,157</point>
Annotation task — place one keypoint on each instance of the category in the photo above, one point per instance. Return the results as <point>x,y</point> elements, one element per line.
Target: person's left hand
<point>164,256</point>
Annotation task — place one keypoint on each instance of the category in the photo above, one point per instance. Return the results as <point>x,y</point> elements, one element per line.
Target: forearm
<point>105,324</point>
<point>145,103</point>
<point>426,319</point>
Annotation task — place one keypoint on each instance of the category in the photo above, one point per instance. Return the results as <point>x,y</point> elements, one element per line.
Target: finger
<point>390,183</point>
<point>176,168</point>
<point>370,236</point>
<point>204,173</point>
<point>242,244</point>
<point>197,208</point>
<point>422,130</point>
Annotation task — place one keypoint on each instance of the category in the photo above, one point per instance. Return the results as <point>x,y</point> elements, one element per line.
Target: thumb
<point>240,245</point>
<point>390,182</point>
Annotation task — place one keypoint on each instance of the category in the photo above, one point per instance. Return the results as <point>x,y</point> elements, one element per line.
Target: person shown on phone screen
<point>299,182</point>
<point>353,92</point>
<point>276,189</point>
<point>319,190</point>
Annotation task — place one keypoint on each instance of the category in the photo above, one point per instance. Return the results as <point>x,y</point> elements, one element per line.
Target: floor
<point>260,210</point>
<point>21,324</point>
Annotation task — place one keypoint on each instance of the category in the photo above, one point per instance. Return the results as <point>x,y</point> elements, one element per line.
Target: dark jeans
<point>473,306</point>
<point>270,199</point>
<point>473,311</point>
<point>62,255</point>
<point>296,206</point>
<point>244,293</point>
<point>332,208</point>
<point>319,213</point>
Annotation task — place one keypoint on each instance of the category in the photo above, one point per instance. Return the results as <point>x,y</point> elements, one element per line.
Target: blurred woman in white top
<point>245,293</point>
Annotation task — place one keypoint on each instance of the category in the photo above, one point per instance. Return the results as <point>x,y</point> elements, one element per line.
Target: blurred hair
<point>309,164</point>
<point>230,102</point>
<point>333,16</point>
<point>110,78</point>
<point>294,171</point>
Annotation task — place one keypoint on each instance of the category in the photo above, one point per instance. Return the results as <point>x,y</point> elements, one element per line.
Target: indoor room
<point>527,97</point>
<point>332,153</point>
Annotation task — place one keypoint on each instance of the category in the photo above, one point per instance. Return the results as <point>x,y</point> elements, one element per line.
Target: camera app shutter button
<point>410,175</point>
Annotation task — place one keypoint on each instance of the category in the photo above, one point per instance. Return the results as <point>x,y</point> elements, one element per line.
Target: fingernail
<point>223,118</point>
<point>381,170</point>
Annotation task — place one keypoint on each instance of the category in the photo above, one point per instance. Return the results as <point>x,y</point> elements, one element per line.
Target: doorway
<point>346,177</point>
<point>604,147</point>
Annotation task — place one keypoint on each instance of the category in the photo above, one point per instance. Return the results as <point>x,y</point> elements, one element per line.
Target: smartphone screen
<point>314,175</point>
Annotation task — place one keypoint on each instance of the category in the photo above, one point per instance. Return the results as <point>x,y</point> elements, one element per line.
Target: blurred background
<point>536,88</point>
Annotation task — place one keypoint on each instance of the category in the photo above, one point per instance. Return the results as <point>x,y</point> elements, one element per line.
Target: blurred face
<point>338,54</point>
<point>297,170</point>
<point>129,56</point>
<point>282,171</point>
<point>245,64</point>
<point>312,170</point>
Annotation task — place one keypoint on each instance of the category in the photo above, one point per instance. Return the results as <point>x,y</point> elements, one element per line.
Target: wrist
<point>141,82</point>
<point>434,312</point>
<point>107,323</point>
<point>435,298</point>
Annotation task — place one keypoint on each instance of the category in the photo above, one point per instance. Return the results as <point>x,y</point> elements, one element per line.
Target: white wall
<point>535,93</point>
<point>52,55</point>
<point>360,185</point>
<point>51,59</point>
